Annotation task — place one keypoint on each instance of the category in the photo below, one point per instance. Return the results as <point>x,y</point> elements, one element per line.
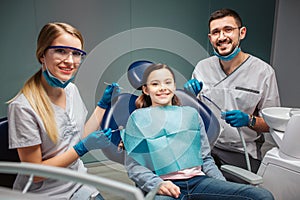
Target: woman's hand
<point>109,91</point>
<point>168,188</point>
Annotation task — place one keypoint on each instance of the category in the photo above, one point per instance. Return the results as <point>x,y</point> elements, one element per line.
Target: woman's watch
<point>252,121</point>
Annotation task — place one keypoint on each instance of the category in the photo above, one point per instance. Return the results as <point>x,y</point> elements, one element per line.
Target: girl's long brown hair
<point>144,100</point>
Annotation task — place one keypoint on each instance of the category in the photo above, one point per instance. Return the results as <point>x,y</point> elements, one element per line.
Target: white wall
<point>286,52</point>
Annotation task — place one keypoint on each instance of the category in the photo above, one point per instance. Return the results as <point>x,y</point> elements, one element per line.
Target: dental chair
<point>279,171</point>
<point>6,154</point>
<point>123,105</point>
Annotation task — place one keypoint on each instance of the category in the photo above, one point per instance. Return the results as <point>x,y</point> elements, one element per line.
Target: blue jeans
<point>204,187</point>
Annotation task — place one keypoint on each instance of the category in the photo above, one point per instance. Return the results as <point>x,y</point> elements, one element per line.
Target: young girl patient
<point>168,148</point>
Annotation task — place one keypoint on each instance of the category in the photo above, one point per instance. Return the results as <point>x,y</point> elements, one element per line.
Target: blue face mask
<point>230,56</point>
<point>55,82</point>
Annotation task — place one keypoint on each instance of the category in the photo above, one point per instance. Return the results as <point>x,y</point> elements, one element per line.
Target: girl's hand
<point>168,188</point>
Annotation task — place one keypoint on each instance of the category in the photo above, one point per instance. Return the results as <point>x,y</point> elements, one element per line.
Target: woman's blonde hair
<point>33,89</point>
<point>144,100</point>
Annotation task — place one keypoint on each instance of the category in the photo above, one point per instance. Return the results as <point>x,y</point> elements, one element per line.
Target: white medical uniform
<point>250,88</point>
<point>27,129</point>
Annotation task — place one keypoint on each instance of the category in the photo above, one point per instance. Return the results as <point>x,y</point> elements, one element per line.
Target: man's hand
<point>193,86</point>
<point>236,118</point>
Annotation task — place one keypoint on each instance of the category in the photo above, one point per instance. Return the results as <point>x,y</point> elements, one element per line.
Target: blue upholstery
<point>211,122</point>
<point>6,154</point>
<point>135,72</point>
<point>123,105</point>
<point>116,115</point>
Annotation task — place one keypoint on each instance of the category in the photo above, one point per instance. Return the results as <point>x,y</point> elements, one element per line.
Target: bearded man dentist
<point>241,85</point>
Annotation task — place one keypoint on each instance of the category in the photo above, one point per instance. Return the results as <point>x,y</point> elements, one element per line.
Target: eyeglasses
<point>63,52</point>
<point>227,31</point>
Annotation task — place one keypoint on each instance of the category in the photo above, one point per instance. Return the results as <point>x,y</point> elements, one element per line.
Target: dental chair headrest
<point>135,73</point>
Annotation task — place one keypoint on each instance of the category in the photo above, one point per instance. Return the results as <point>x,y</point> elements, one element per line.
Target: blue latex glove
<point>236,118</point>
<point>107,95</point>
<point>193,86</point>
<point>95,140</point>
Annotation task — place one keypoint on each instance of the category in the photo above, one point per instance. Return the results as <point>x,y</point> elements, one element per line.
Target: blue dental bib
<point>164,139</point>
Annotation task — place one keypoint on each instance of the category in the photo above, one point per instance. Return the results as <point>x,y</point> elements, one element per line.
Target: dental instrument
<point>223,115</point>
<point>216,105</point>
<point>120,128</point>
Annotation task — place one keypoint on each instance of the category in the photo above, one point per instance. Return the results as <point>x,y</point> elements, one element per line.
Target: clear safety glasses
<point>63,52</point>
<point>227,31</point>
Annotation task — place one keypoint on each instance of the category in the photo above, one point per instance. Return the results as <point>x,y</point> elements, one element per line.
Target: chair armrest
<point>151,195</point>
<point>121,189</point>
<point>243,174</point>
